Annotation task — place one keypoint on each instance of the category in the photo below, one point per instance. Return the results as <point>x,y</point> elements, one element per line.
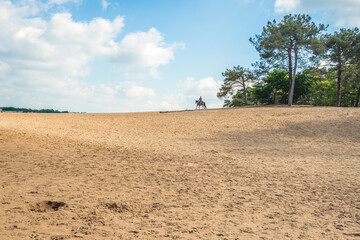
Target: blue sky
<point>133,55</point>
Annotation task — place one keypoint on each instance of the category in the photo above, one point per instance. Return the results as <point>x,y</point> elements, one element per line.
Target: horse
<point>200,104</point>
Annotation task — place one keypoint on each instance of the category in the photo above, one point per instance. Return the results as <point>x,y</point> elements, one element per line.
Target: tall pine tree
<point>292,41</point>
<point>340,51</point>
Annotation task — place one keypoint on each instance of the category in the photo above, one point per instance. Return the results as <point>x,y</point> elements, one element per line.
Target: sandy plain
<point>247,173</point>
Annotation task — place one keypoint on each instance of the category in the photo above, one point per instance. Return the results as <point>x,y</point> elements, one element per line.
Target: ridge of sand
<point>248,173</point>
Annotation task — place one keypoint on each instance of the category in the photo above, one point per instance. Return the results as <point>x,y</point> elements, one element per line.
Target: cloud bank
<point>345,12</point>
<point>50,59</point>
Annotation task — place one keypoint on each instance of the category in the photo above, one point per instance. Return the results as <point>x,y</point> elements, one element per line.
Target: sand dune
<point>247,173</point>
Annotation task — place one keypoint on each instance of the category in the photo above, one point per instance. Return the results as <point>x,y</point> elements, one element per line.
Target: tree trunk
<point>292,88</point>
<point>275,96</point>
<point>339,86</point>
<point>357,98</point>
<point>245,91</point>
<point>290,69</point>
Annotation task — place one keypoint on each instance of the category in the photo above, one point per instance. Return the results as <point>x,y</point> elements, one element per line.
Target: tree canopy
<point>294,40</point>
<point>340,52</point>
<point>298,65</point>
<point>236,78</point>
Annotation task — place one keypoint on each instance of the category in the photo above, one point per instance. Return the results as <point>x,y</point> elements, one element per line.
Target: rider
<point>200,99</point>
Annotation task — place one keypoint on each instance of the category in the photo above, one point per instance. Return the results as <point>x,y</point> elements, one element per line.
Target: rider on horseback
<point>200,103</point>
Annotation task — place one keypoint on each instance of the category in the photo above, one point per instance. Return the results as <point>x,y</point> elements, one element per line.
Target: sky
<point>136,55</point>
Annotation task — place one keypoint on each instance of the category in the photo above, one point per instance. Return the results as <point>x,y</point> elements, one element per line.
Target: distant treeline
<point>29,110</point>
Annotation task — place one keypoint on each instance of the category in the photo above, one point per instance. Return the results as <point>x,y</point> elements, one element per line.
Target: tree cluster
<point>299,64</point>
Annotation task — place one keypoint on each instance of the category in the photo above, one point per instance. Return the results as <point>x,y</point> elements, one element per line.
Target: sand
<point>246,173</point>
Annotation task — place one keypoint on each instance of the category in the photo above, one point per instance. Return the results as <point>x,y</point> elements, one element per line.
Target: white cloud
<point>344,12</point>
<point>70,45</point>
<point>60,46</point>
<point>140,92</point>
<point>205,86</point>
<point>75,95</point>
<point>143,49</point>
<point>189,91</point>
<point>4,68</point>
<point>175,102</point>
<point>104,4</point>
<point>48,57</point>
<point>34,7</point>
<point>154,73</point>
<point>61,1</point>
<point>286,5</point>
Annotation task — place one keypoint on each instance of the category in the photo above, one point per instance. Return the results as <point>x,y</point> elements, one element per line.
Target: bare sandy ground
<point>249,173</point>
